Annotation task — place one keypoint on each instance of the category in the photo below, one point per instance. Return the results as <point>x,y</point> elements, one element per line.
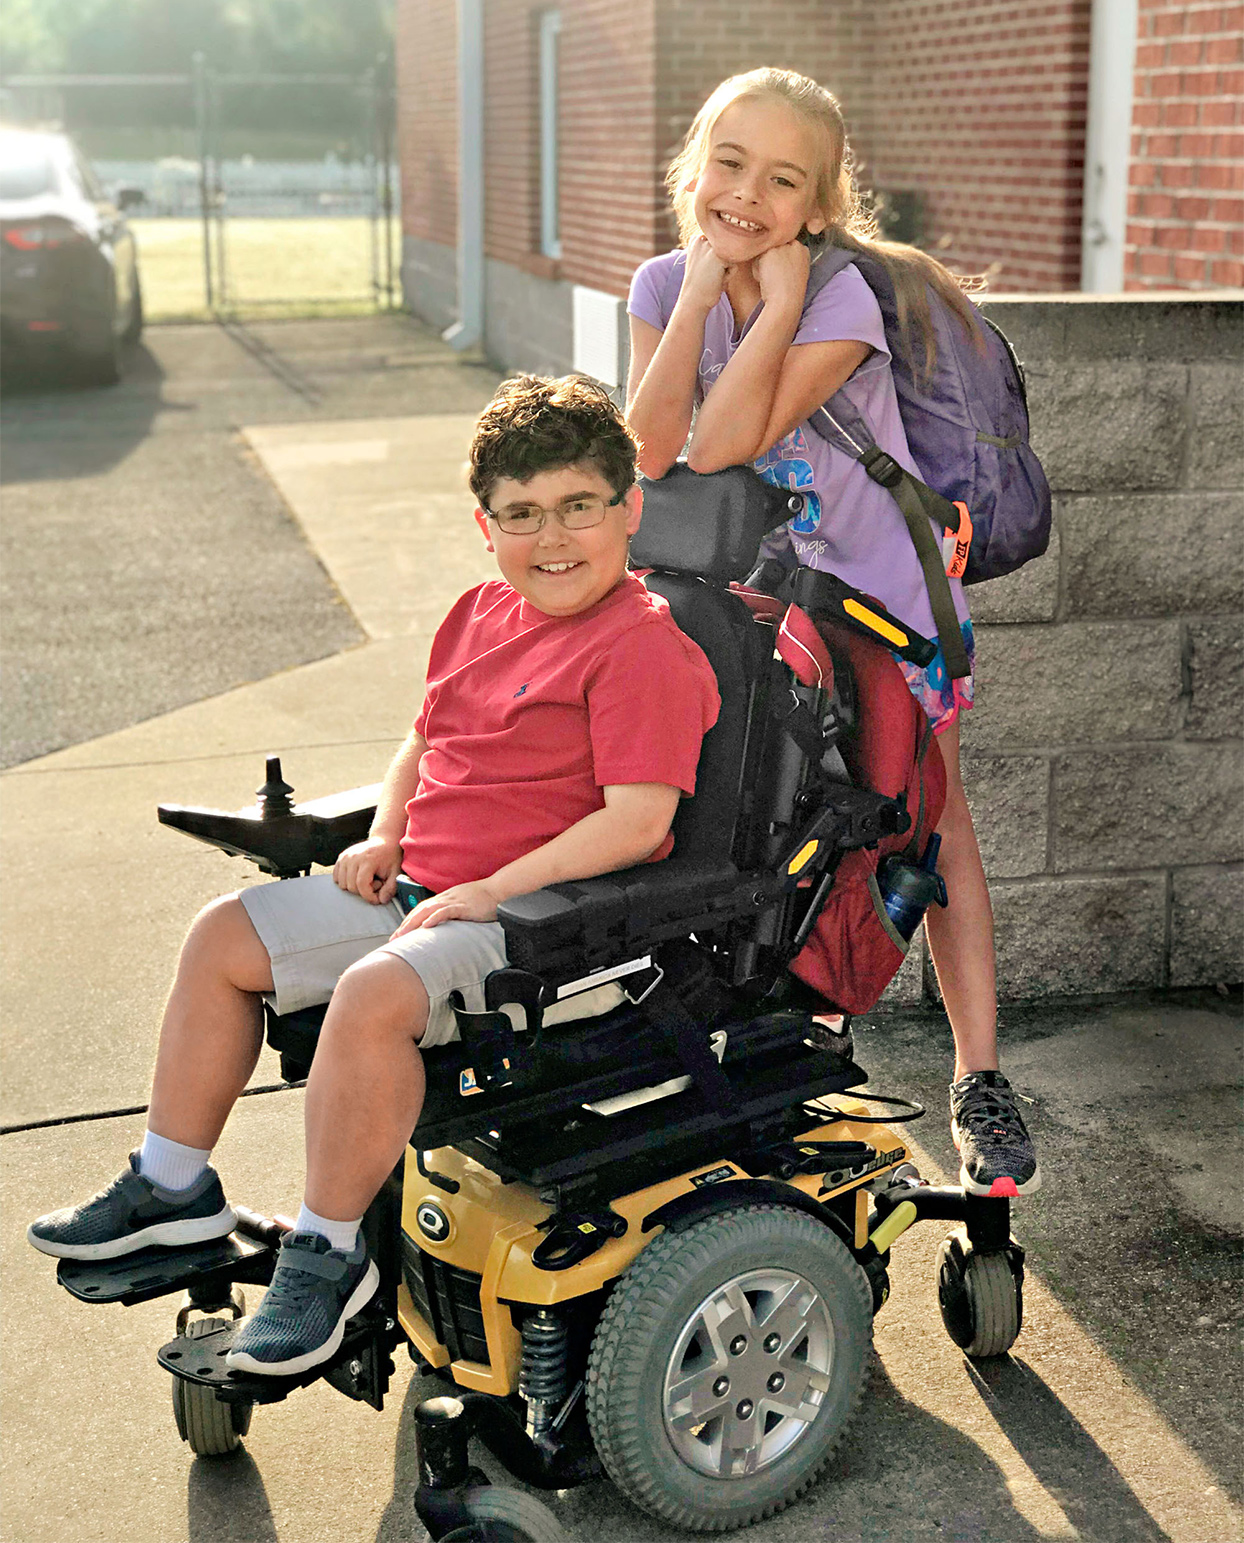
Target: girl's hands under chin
<point>782,273</point>
<point>706,275</point>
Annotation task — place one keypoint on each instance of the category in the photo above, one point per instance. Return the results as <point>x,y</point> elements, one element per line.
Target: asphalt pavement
<point>146,560</point>
<point>1117,1416</point>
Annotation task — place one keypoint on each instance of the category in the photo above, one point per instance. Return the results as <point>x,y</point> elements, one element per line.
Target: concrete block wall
<point>1105,759</point>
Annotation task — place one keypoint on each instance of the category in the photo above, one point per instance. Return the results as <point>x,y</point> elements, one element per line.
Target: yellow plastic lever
<point>897,1223</point>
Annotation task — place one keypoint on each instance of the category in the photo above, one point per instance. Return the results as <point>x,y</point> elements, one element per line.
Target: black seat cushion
<point>735,646</point>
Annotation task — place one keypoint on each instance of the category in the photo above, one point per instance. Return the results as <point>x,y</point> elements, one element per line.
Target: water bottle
<point>907,890</point>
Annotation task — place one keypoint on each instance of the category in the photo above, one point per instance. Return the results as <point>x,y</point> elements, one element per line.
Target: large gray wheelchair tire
<point>208,1426</point>
<point>645,1355</point>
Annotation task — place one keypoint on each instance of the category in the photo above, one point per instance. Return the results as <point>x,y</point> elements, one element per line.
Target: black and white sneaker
<point>995,1150</point>
<point>133,1213</point>
<point>302,1318</point>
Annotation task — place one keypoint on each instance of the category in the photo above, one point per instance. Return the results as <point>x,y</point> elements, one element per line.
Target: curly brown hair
<point>534,424</point>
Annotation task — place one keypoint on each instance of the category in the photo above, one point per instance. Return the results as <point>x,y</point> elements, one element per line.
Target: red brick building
<point>976,118</point>
<point>1186,198</point>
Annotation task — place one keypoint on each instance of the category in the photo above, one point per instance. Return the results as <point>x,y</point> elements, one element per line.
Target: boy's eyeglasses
<point>572,513</point>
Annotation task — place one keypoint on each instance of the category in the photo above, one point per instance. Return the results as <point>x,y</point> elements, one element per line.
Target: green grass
<point>274,267</point>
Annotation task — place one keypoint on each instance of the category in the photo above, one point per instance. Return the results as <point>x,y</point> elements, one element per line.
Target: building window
<point>550,223</point>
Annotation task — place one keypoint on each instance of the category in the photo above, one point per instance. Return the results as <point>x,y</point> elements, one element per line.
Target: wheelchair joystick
<point>273,796</point>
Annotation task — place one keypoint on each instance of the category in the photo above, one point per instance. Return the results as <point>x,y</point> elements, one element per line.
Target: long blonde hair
<point>848,223</point>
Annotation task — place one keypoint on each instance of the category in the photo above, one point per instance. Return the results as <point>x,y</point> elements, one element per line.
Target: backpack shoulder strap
<point>840,422</point>
<point>826,265</point>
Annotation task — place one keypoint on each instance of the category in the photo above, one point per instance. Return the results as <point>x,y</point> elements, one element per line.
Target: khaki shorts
<point>314,931</point>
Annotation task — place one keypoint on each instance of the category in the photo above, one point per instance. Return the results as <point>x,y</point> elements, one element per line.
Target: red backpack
<point>854,950</point>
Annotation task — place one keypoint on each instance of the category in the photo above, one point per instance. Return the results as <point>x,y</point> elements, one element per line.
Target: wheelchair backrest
<point>700,532</point>
<point>762,771</point>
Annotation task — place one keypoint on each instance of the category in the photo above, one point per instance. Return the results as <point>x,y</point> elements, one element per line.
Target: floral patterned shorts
<point>941,697</point>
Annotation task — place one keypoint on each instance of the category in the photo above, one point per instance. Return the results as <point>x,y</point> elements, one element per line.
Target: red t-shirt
<point>528,717</point>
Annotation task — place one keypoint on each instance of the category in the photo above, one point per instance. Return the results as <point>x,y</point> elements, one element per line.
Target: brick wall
<point>981,108</point>
<point>511,132</point>
<point>1105,759</point>
<point>425,57</point>
<point>977,106</point>
<point>609,206</point>
<point>1186,199</point>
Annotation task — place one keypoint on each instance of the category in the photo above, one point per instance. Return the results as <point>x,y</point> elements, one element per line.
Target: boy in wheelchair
<point>562,723</point>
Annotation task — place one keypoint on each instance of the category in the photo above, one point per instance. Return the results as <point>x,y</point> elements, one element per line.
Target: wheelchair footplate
<point>158,1272</point>
<point>360,1369</point>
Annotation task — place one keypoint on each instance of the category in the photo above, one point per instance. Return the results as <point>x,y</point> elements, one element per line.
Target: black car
<point>68,261</point>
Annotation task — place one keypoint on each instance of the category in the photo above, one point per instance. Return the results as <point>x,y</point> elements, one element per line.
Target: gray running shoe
<point>302,1318</point>
<point>995,1149</point>
<point>133,1213</point>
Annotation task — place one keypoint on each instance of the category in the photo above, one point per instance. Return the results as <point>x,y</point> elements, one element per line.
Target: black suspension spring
<point>544,1376</point>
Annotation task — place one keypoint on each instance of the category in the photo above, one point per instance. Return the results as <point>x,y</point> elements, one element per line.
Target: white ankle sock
<point>168,1163</point>
<point>342,1235</point>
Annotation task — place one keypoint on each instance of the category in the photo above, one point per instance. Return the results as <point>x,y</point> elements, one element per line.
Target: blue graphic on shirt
<point>785,467</point>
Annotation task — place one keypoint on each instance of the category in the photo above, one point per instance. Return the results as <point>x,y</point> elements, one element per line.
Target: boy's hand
<point>705,276</point>
<point>472,902</point>
<point>782,273</point>
<point>370,868</point>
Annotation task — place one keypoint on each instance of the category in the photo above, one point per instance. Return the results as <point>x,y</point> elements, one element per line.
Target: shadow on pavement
<point>280,364</point>
<point>904,1473</point>
<point>226,1498</point>
<point>399,1524</point>
<point>1134,1231</point>
<point>92,428</point>
<point>1063,1456</point>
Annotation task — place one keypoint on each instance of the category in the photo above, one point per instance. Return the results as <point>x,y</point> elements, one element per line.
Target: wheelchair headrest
<point>708,523</point>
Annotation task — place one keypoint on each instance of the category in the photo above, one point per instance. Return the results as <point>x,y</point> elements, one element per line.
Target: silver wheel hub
<point>749,1373</point>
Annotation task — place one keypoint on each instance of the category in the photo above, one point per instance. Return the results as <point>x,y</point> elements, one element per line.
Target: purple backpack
<point>966,427</point>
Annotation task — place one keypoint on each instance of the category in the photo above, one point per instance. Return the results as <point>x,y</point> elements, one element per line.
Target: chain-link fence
<point>262,194</point>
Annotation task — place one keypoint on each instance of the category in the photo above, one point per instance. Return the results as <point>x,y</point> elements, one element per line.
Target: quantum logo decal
<point>432,1221</point>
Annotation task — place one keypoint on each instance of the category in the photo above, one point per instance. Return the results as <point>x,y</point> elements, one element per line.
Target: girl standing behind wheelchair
<point>763,177</point>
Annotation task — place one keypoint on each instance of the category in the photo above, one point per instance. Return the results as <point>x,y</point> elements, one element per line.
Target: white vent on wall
<point>599,346</point>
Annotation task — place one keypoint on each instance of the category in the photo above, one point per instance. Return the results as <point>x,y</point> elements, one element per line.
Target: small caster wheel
<point>208,1425</point>
<point>505,1516</point>
<point>980,1295</point>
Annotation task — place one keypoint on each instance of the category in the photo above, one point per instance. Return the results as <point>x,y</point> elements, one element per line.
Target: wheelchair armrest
<point>281,843</point>
<point>568,930</point>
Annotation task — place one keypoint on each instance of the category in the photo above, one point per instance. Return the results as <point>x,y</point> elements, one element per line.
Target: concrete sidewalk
<point>1116,1419</point>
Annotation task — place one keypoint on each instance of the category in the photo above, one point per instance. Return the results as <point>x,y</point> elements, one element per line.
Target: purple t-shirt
<point>850,526</point>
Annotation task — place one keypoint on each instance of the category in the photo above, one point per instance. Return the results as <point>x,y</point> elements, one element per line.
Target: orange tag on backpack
<point>957,543</point>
